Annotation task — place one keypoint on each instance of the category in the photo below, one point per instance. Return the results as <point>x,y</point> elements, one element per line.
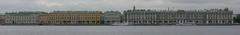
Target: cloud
<point>49,4</point>
<point>18,5</point>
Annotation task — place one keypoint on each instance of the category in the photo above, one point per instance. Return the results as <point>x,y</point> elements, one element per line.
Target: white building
<point>25,18</point>
<point>212,16</point>
<point>111,17</point>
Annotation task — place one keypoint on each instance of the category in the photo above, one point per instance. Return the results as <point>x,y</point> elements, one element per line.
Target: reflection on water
<point>119,30</point>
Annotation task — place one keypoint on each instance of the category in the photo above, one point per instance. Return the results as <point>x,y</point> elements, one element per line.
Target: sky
<point>115,5</point>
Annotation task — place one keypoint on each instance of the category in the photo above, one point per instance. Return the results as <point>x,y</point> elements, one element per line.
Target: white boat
<point>186,24</point>
<point>120,24</point>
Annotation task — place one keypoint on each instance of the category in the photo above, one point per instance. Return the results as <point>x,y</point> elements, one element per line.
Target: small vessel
<point>186,24</point>
<point>120,24</point>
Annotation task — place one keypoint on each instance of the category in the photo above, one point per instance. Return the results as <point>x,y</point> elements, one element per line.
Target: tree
<point>236,19</point>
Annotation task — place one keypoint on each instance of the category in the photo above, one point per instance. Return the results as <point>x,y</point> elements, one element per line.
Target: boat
<point>186,24</point>
<point>120,24</point>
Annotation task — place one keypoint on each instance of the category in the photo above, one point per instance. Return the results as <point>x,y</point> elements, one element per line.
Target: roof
<point>24,13</point>
<point>76,12</point>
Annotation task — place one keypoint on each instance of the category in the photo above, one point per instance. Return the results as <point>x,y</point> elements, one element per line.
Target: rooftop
<point>77,12</point>
<point>204,10</point>
<point>23,13</point>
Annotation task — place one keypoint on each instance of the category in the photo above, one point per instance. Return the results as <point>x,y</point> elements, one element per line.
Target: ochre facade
<point>72,18</point>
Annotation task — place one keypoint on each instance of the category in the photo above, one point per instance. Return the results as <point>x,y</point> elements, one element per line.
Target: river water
<point>119,30</point>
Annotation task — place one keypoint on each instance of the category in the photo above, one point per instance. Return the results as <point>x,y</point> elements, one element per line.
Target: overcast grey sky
<point>104,5</point>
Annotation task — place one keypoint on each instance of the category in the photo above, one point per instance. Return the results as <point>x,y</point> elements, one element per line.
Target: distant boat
<point>120,24</point>
<point>186,24</point>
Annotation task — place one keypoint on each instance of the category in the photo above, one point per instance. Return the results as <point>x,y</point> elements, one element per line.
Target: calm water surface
<point>119,30</point>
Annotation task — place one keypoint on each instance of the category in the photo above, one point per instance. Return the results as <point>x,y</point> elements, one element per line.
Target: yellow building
<point>72,18</point>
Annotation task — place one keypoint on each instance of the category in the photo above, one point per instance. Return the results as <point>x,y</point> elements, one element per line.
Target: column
<point>147,22</point>
<point>179,21</point>
<point>207,22</point>
<point>185,21</point>
<point>163,21</point>
<point>168,22</point>
<point>218,22</point>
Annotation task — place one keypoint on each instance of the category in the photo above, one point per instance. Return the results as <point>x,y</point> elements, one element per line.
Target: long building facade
<point>22,18</point>
<point>149,17</point>
<point>111,17</point>
<point>72,18</point>
<point>131,17</point>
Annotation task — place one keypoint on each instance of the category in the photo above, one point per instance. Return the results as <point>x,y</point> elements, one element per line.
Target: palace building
<point>164,17</point>
<point>111,17</point>
<point>72,18</point>
<point>23,18</point>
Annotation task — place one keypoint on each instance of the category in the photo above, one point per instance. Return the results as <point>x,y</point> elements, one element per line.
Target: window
<point>165,21</point>
<point>229,21</point>
<point>197,21</point>
<point>223,21</point>
<point>210,21</point>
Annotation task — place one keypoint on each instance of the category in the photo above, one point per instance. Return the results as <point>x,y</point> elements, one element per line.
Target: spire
<point>168,8</point>
<point>134,7</point>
